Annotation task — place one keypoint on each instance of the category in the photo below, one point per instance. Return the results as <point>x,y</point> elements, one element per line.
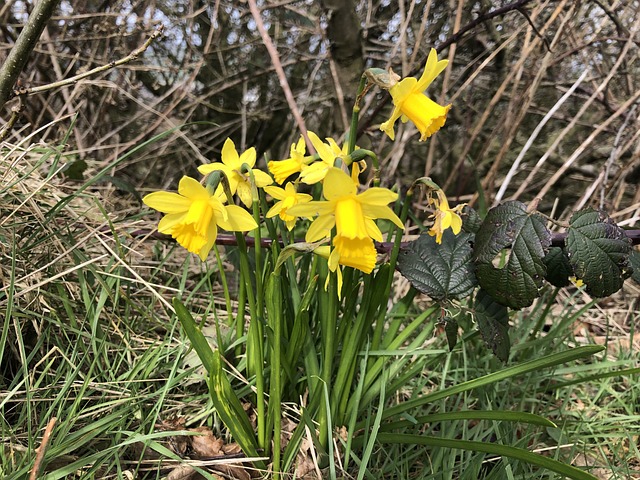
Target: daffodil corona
<point>194,214</point>
<point>352,215</point>
<point>231,166</point>
<point>411,103</point>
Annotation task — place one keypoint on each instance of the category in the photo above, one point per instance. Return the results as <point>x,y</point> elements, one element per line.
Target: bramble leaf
<point>509,251</point>
<point>634,260</point>
<point>598,251</point>
<point>558,267</point>
<point>471,221</point>
<point>442,271</point>
<point>451,331</point>
<point>493,323</point>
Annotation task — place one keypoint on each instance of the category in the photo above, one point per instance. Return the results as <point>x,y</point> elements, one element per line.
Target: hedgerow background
<point>544,101</point>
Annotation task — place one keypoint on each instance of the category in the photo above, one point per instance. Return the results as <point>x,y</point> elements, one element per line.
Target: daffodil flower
<point>411,103</point>
<point>194,214</point>
<point>283,169</point>
<point>445,217</point>
<point>328,153</point>
<point>288,197</point>
<point>231,166</point>
<point>352,215</point>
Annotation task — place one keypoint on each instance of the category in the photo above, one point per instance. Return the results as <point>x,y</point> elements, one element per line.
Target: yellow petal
<point>377,196</point>
<point>248,157</point>
<point>274,210</point>
<point>432,69</point>
<point>337,184</point>
<point>212,234</point>
<point>314,173</point>
<point>191,188</point>
<point>379,211</point>
<point>230,155</point>
<point>244,193</point>
<point>320,228</point>
<point>167,222</point>
<point>167,202</point>
<point>372,230</point>
<point>238,220</point>
<point>262,179</point>
<point>276,192</point>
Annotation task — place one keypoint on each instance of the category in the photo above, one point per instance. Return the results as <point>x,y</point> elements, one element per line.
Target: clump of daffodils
<point>345,217</point>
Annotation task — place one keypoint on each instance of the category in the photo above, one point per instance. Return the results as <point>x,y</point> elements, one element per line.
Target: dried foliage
<point>511,66</point>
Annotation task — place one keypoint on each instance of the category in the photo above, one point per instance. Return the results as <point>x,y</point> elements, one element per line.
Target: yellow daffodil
<point>445,217</point>
<point>412,104</point>
<point>288,197</point>
<point>352,215</point>
<point>194,214</point>
<point>328,153</point>
<point>231,166</point>
<point>282,169</point>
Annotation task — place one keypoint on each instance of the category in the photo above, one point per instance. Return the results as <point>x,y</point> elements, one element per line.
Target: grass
<point>90,339</point>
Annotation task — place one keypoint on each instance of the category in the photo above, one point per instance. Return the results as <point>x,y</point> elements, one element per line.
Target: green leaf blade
<point>598,251</point>
<point>521,237</point>
<point>442,271</point>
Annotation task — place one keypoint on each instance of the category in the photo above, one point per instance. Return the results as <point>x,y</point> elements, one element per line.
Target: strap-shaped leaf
<point>598,251</point>
<point>516,241</point>
<point>442,271</point>
<point>558,267</point>
<point>493,323</point>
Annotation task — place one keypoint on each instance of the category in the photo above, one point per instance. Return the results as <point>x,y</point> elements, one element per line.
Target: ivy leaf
<point>493,323</point>
<point>558,267</point>
<point>442,271</point>
<point>598,251</point>
<point>509,251</point>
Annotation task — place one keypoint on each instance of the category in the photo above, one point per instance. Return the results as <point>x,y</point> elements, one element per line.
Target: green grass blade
<point>197,338</point>
<point>491,448</point>
<point>544,362</point>
<point>522,417</point>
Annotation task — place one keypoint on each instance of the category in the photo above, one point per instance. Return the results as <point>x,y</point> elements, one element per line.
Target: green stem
<point>329,342</point>
<point>353,130</point>
<point>225,286</point>
<point>255,358</point>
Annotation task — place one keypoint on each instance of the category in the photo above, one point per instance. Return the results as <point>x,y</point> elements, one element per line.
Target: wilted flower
<point>194,214</point>
<point>411,103</point>
<point>231,166</point>
<point>445,217</point>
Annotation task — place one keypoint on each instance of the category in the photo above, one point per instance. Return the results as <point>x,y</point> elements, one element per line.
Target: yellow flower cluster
<point>345,216</point>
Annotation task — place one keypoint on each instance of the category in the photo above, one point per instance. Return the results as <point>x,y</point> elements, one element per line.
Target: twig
<point>282,78</point>
<point>24,45</point>
<point>37,464</point>
<point>15,114</point>
<point>68,81</point>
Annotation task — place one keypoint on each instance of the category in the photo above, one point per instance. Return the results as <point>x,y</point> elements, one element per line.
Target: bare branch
<point>25,43</point>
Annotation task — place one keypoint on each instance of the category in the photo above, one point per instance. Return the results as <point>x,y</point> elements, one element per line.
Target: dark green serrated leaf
<point>516,241</point>
<point>493,324</point>
<point>471,221</point>
<point>558,267</point>
<point>634,260</point>
<point>442,271</point>
<point>598,251</point>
